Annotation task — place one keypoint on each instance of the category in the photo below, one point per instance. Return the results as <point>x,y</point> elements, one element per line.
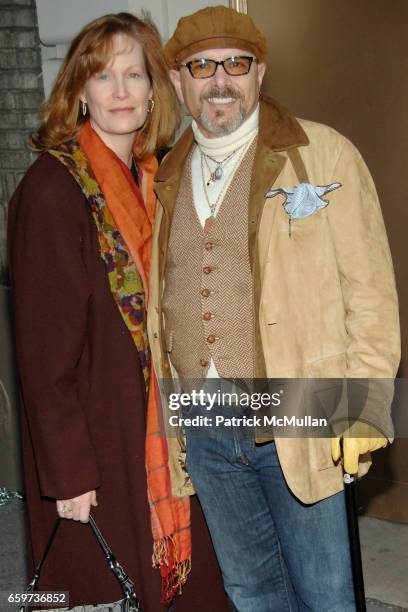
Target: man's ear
<point>176,80</point>
<point>261,73</point>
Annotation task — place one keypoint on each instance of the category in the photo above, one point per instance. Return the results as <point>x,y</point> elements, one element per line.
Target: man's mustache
<point>226,92</point>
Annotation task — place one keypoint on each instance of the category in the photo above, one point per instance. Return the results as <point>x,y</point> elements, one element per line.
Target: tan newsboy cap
<point>215,27</point>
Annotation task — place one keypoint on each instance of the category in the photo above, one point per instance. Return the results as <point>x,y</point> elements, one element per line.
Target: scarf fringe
<point>173,582</point>
<point>174,573</point>
<point>162,549</point>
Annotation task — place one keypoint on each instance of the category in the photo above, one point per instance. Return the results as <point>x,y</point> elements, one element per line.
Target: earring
<point>151,105</point>
<point>84,109</point>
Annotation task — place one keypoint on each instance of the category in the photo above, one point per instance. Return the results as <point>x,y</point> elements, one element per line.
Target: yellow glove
<point>358,439</point>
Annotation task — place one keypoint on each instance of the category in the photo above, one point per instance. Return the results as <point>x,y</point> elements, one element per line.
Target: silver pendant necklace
<point>218,172</point>
<point>214,205</point>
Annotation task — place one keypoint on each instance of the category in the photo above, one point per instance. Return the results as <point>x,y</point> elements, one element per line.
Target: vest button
<point>205,293</point>
<point>203,363</point>
<point>211,339</point>
<point>207,316</point>
<point>208,246</point>
<point>207,270</point>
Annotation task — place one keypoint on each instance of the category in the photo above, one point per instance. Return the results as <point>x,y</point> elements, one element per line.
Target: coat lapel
<point>278,132</point>
<point>270,165</point>
<point>166,186</point>
<point>168,177</point>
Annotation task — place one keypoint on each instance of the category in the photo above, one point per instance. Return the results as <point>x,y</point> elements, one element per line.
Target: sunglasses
<point>204,68</point>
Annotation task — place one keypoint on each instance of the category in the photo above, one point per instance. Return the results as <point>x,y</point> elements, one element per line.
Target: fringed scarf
<point>124,219</point>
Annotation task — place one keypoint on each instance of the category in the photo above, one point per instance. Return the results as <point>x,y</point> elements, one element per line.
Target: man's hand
<point>358,439</point>
<point>77,508</point>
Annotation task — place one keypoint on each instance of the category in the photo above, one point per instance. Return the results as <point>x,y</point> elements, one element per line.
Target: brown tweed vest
<point>207,301</point>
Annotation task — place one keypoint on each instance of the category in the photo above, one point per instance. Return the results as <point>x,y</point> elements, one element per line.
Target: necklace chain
<point>218,172</point>
<point>214,205</point>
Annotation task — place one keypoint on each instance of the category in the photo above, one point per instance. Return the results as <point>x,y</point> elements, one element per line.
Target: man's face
<point>220,103</point>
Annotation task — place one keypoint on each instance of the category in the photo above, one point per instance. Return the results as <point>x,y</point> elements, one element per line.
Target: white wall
<point>60,20</point>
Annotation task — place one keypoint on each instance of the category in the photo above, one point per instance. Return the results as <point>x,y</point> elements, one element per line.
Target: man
<point>244,287</point>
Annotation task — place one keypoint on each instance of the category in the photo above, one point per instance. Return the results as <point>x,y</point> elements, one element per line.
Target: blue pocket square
<point>304,199</point>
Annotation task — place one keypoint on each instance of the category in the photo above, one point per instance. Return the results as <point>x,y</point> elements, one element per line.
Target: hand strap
<point>130,601</point>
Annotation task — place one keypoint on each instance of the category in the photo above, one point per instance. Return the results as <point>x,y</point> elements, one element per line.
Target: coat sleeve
<point>367,283</point>
<point>47,220</point>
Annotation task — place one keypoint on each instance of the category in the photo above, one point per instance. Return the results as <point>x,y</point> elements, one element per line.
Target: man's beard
<point>217,126</point>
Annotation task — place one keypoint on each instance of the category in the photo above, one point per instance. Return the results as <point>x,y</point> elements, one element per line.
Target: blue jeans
<point>275,552</point>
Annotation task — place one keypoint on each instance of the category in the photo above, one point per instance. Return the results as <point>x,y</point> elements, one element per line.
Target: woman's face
<point>117,97</point>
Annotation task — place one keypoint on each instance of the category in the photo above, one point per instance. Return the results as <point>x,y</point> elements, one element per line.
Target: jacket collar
<point>279,130</point>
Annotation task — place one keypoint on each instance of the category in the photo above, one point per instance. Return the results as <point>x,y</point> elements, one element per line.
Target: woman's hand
<point>77,508</point>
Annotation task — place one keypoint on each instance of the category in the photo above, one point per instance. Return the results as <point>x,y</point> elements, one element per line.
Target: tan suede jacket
<point>324,293</point>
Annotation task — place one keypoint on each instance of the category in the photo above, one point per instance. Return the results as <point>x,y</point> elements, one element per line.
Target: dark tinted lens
<point>202,68</point>
<point>237,65</point>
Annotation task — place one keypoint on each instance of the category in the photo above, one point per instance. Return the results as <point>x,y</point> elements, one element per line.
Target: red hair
<point>88,54</point>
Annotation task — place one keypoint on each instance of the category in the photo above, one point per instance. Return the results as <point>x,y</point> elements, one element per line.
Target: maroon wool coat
<point>84,404</point>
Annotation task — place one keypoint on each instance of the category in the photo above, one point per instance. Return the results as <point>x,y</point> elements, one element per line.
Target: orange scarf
<point>134,216</point>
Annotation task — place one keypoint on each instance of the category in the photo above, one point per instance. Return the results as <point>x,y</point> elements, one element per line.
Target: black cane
<point>354,538</point>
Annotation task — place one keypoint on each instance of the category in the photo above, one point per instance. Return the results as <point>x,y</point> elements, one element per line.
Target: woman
<point>79,236</point>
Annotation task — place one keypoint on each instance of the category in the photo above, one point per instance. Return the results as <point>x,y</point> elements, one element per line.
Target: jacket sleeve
<point>51,294</point>
<point>367,283</point>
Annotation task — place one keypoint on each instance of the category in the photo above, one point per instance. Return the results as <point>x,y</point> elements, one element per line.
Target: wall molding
<point>239,5</point>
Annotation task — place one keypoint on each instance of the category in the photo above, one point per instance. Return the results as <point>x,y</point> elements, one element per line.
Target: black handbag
<point>129,603</point>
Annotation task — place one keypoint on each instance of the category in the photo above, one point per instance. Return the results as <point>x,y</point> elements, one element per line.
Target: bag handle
<point>130,601</point>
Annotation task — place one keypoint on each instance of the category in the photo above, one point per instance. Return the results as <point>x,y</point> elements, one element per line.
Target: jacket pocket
<point>332,366</point>
<point>322,458</point>
<point>328,390</point>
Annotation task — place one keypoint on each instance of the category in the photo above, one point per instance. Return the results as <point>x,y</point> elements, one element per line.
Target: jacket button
<point>169,187</point>
<point>207,316</point>
<point>211,339</point>
<point>208,246</point>
<point>203,363</point>
<point>205,293</point>
<point>207,270</point>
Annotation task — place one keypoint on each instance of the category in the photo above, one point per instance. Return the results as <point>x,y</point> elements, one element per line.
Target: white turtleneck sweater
<point>219,149</point>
